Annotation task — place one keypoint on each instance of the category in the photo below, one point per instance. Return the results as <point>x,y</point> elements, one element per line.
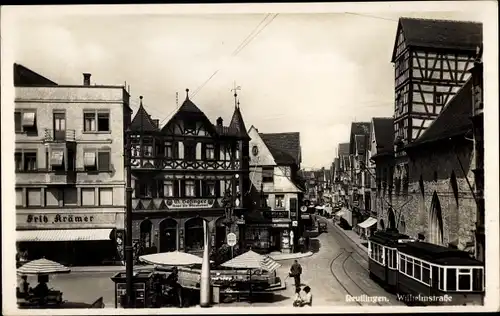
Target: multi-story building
<point>187,172</point>
<point>432,86</point>
<point>382,159</point>
<point>359,139</point>
<point>70,173</point>
<point>274,163</point>
<point>343,178</point>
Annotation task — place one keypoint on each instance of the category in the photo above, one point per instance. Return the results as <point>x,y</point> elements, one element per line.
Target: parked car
<point>322,227</point>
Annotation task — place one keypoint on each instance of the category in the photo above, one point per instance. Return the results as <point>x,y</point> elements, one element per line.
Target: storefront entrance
<point>168,235</point>
<point>194,241</point>
<point>220,233</point>
<point>275,244</point>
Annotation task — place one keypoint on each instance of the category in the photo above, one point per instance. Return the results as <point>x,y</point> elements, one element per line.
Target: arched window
<point>146,228</point>
<point>436,221</point>
<point>194,234</point>
<point>168,235</point>
<point>402,225</point>
<point>382,224</point>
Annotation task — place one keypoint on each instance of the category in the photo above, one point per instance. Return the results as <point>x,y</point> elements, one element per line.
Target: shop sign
<point>295,223</point>
<point>190,203</point>
<point>66,220</point>
<point>276,214</point>
<point>280,220</point>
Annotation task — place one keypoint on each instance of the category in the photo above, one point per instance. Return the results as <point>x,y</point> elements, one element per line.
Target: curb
<point>364,251</point>
<point>291,256</point>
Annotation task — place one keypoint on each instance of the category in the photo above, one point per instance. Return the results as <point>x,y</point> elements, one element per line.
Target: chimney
<point>86,79</point>
<point>157,123</point>
<point>219,121</point>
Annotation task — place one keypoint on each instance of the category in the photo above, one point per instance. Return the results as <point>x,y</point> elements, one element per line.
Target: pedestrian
<point>301,244</point>
<point>307,300</point>
<point>25,286</point>
<point>308,243</point>
<point>295,272</point>
<point>297,300</point>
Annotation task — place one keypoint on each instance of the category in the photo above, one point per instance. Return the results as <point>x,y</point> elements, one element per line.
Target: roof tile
<point>285,147</point>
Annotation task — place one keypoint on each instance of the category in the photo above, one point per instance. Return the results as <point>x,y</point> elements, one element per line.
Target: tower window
<point>438,98</point>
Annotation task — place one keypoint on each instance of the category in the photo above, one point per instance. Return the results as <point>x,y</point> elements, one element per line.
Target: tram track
<point>349,291</point>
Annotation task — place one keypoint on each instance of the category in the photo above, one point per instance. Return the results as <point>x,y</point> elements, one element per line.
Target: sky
<point>312,73</point>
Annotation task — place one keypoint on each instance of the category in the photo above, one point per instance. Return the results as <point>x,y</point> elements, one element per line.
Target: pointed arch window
<point>436,221</point>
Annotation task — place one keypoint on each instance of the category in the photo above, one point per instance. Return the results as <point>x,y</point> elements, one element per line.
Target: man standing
<point>295,272</point>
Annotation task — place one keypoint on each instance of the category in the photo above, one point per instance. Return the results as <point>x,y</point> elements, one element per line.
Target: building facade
<point>274,163</point>
<point>430,70</point>
<point>70,172</point>
<point>184,173</point>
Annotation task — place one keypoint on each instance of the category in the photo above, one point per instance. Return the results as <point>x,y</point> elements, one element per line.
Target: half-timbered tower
<point>181,174</point>
<point>432,59</point>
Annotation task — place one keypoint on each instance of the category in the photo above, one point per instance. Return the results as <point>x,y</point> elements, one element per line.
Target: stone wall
<point>435,170</point>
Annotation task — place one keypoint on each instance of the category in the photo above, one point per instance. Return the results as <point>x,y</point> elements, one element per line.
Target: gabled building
<point>70,172</point>
<point>382,160</point>
<point>187,172</point>
<point>274,164</point>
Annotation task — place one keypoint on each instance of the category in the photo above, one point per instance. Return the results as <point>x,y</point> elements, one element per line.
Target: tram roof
<point>388,238</point>
<point>438,254</point>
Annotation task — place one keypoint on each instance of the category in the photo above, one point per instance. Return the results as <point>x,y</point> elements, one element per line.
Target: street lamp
<point>129,263</point>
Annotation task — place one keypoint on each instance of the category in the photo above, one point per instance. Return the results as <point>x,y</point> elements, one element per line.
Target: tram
<point>425,274</point>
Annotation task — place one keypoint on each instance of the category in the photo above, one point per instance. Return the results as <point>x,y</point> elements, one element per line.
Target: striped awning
<point>173,258</point>
<point>42,266</point>
<point>64,235</point>
<point>252,260</point>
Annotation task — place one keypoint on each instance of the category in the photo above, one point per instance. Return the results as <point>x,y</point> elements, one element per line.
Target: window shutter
<point>198,192</point>
<point>176,188</point>
<point>217,187</point>
<point>203,151</point>
<point>103,160</point>
<point>182,183</point>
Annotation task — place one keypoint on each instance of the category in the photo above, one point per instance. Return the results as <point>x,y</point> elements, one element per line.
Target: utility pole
<point>129,263</point>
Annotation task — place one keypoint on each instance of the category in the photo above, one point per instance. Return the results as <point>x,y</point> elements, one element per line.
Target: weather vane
<point>235,89</point>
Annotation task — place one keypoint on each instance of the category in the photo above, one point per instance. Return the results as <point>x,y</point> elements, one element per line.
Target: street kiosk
<point>141,284</point>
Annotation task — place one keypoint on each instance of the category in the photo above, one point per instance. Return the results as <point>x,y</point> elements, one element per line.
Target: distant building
<point>70,172</point>
<point>274,164</point>
<point>181,173</point>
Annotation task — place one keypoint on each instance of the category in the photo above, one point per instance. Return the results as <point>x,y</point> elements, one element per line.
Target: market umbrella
<point>252,260</point>
<point>173,258</point>
<point>42,266</point>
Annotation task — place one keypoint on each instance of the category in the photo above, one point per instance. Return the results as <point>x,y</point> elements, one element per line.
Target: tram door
<point>387,255</point>
<point>434,280</point>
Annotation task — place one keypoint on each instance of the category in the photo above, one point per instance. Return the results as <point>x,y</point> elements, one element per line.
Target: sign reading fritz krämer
<point>66,220</point>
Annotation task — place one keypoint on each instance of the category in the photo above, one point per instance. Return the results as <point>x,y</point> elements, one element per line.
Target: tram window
<point>394,259</point>
<point>426,274</point>
<point>409,266</point>
<point>441,278</point>
<point>389,257</point>
<point>417,272</point>
<point>451,279</point>
<point>402,263</point>
<point>464,282</point>
<point>477,280</point>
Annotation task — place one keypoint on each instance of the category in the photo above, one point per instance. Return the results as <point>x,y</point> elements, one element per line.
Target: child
<point>297,300</point>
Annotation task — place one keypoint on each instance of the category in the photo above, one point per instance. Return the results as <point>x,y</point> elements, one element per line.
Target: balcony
<point>52,135</point>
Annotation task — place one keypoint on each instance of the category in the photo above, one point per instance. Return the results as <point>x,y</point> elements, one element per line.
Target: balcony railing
<point>52,135</point>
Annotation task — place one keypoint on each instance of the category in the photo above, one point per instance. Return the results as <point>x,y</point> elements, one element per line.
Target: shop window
<point>146,228</point>
<point>105,196</point>
<point>195,234</point>
<point>19,197</point>
<point>257,237</point>
<point>53,196</point>
<point>280,201</point>
<point>96,121</point>
<point>88,196</point>
<point>34,196</point>
<point>267,174</point>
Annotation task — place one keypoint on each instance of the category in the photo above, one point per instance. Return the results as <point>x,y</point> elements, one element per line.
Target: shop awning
<point>369,222</point>
<point>64,235</point>
<point>252,260</point>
